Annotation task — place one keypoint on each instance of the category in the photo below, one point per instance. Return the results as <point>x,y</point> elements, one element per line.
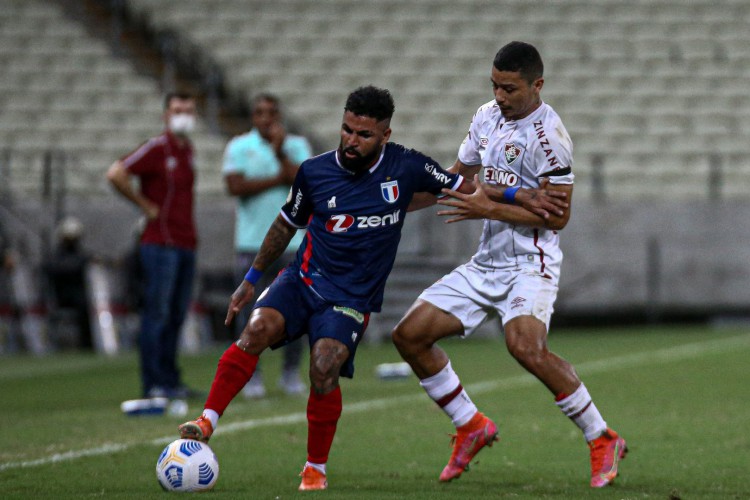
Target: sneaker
<point>199,429</point>
<point>291,383</point>
<point>312,479</point>
<point>148,406</point>
<point>470,438</point>
<point>254,389</point>
<point>606,452</point>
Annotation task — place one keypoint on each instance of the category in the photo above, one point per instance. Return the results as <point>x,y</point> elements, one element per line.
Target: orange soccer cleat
<point>606,452</point>
<point>470,438</point>
<point>312,479</point>
<point>199,429</point>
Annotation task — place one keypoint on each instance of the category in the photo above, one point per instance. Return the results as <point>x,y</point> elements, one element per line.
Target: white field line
<point>666,355</point>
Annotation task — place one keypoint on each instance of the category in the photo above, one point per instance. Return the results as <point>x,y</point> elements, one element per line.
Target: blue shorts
<point>307,313</point>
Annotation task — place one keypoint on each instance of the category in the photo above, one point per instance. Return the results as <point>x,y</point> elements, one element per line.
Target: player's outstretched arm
<point>479,205</point>
<point>424,200</point>
<point>544,201</point>
<point>420,201</point>
<point>277,239</point>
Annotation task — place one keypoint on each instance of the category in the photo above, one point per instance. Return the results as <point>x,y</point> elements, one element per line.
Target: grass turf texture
<point>678,395</point>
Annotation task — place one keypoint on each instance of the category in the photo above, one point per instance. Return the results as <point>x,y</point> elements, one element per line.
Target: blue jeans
<point>168,274</point>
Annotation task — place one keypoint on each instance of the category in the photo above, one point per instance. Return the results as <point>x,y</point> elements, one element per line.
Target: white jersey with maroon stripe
<point>519,153</point>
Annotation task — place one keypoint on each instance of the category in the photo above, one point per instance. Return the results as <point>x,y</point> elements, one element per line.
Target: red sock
<point>323,412</point>
<point>234,370</point>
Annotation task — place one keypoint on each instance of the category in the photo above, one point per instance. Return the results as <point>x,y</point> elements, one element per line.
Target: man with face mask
<point>164,166</point>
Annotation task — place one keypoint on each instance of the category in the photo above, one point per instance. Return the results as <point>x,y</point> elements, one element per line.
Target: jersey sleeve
<point>468,152</point>
<point>298,207</point>
<point>553,155</point>
<point>432,178</point>
<point>143,160</point>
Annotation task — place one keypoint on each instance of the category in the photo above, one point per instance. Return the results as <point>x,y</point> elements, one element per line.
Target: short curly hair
<point>371,101</point>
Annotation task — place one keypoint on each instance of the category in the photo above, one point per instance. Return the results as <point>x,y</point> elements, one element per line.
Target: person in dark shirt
<point>66,271</point>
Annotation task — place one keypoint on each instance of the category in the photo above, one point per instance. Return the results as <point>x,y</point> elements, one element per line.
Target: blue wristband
<point>253,275</point>
<point>509,194</point>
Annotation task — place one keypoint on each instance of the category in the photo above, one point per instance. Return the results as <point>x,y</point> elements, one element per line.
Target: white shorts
<point>473,294</point>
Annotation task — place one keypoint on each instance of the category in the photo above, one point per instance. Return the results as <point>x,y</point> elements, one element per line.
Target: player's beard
<point>358,164</point>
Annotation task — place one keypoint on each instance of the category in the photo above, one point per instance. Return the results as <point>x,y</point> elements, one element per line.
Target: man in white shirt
<point>515,140</point>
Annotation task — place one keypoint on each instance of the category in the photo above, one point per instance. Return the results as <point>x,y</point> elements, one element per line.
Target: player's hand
<point>476,205</point>
<point>542,201</point>
<point>240,298</point>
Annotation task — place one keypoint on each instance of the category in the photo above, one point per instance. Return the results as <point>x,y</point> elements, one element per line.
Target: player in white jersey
<point>515,140</point>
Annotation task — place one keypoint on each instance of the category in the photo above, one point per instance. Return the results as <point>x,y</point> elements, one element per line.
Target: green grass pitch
<point>678,395</point>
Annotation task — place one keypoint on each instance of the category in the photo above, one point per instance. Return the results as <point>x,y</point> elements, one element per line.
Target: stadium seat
<point>64,89</point>
<point>623,75</point>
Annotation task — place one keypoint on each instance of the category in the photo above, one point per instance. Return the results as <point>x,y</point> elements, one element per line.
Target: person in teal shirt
<point>259,168</point>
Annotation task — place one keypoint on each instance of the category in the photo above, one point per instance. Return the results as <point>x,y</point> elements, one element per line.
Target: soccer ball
<point>187,465</point>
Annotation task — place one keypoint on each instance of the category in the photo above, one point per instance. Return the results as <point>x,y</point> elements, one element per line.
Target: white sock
<point>446,390</point>
<point>580,408</point>
<point>212,417</point>
<point>319,467</point>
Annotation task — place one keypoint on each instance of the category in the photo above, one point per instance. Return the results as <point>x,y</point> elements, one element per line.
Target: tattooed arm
<point>274,244</point>
<point>277,239</point>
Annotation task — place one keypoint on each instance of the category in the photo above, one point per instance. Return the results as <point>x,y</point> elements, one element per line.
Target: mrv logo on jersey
<point>437,174</point>
<point>342,222</point>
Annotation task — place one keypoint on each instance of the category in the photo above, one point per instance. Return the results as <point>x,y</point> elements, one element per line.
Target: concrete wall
<point>618,256</point>
<point>631,255</point>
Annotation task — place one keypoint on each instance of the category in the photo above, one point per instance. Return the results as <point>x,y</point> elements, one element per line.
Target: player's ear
<point>386,135</point>
<point>538,84</point>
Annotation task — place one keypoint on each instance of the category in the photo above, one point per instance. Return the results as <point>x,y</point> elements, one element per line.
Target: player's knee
<point>529,354</point>
<point>324,375</point>
<point>327,357</point>
<point>411,337</point>
<point>398,336</point>
<point>405,337</point>
<point>259,333</point>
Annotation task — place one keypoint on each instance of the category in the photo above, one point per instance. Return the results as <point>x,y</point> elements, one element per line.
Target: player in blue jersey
<point>353,202</point>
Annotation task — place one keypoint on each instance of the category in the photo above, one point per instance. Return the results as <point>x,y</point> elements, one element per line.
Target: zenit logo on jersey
<point>497,176</point>
<point>512,152</point>
<point>341,223</point>
<point>390,191</point>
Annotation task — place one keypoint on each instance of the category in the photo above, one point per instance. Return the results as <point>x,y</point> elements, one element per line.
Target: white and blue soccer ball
<point>187,465</point>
